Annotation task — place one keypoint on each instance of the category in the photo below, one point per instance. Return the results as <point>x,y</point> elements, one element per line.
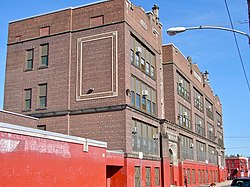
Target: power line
<point>237,45</point>
<point>237,137</point>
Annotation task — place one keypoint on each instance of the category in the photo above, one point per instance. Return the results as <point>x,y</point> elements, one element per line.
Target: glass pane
<point>42,102</point>
<point>29,54</point>
<point>138,101</point>
<point>27,94</point>
<point>44,60</point>
<point>132,97</point>
<point>43,90</point>
<point>44,49</point>
<point>29,64</point>
<point>27,104</point>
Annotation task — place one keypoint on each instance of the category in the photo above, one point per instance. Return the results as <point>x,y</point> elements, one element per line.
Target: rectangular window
<point>142,57</point>
<point>157,176</point>
<point>183,88</point>
<point>44,55</point>
<point>29,59</point>
<point>42,95</point>
<point>187,147</point>
<point>209,109</point>
<point>41,127</point>
<point>132,91</point>
<point>152,71</point>
<point>199,125</point>
<point>198,100</point>
<point>184,117</point>
<point>143,96</point>
<point>132,56</point>
<point>147,68</point>
<point>137,176</point>
<point>201,151</point>
<point>210,132</point>
<point>142,64</point>
<point>144,137</point>
<point>148,176</point>
<point>137,60</point>
<point>28,96</point>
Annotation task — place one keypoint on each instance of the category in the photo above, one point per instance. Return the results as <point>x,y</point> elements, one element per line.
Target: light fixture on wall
<point>90,90</point>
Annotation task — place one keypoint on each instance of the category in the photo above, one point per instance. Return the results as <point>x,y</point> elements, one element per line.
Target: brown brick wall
<point>56,75</point>
<point>17,119</point>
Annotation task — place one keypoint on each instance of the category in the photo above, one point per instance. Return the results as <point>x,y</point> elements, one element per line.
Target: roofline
<point>15,129</point>
<point>59,10</point>
<point>17,114</point>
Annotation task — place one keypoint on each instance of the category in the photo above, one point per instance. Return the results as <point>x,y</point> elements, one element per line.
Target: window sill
<point>43,67</point>
<point>38,109</point>
<point>29,110</point>
<point>26,70</point>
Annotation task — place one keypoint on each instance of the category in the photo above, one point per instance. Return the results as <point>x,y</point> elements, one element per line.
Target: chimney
<point>155,10</point>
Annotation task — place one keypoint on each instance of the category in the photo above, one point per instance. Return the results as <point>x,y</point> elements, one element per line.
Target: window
<point>201,151</point>
<point>199,125</point>
<point>209,110</point>
<point>157,176</point>
<point>218,119</point>
<point>44,55</point>
<point>143,96</point>
<point>42,95</point>
<point>220,138</point>
<point>147,68</point>
<point>184,117</point>
<point>29,59</point>
<point>210,132</point>
<point>137,59</point>
<point>28,95</point>
<point>137,176</point>
<point>132,56</point>
<point>143,137</point>
<point>144,59</point>
<point>198,100</point>
<point>187,147</point>
<point>148,176</point>
<point>41,127</point>
<point>183,87</point>
<point>212,155</point>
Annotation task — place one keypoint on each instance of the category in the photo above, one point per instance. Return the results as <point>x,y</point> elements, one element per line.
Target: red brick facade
<point>108,78</point>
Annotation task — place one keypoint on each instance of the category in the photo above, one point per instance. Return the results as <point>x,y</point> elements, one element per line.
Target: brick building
<point>196,131</point>
<point>96,72</point>
<point>238,166</point>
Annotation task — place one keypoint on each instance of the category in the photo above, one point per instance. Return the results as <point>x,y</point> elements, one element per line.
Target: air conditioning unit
<point>185,114</point>
<point>220,137</point>
<point>134,130</point>
<point>156,136</point>
<point>199,123</point>
<point>145,92</point>
<point>211,130</point>
<point>201,148</point>
<point>180,82</point>
<point>218,123</point>
<point>191,145</point>
<point>212,152</point>
<point>139,50</point>
<point>210,107</point>
<point>198,97</point>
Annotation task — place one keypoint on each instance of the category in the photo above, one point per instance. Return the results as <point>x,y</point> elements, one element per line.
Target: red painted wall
<point>31,161</point>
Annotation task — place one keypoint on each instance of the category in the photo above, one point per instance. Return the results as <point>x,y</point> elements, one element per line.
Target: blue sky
<point>214,51</point>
